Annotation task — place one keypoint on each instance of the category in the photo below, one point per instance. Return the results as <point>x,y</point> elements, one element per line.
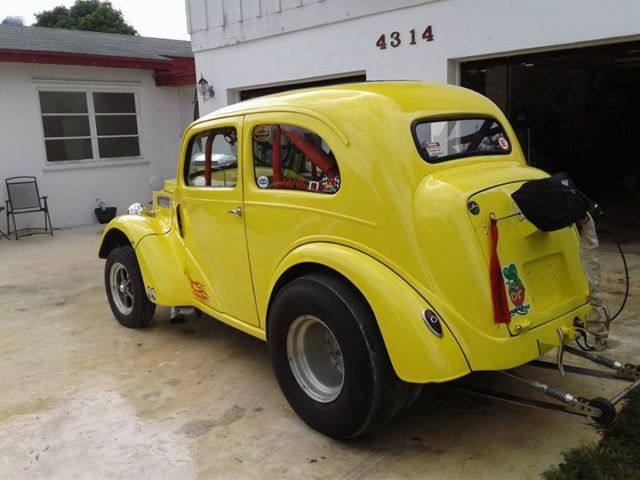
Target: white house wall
<point>241,55</point>
<point>230,21</point>
<point>73,189</point>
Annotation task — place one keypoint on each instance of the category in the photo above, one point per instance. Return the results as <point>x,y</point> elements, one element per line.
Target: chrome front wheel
<point>126,290</point>
<point>121,291</point>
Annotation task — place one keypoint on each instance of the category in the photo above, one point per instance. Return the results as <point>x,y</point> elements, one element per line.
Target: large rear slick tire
<point>125,289</point>
<point>330,360</point>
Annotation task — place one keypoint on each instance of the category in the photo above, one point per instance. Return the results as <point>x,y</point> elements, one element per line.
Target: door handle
<point>179,220</point>
<point>235,211</point>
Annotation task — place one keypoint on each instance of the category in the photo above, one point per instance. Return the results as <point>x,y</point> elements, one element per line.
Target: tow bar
<point>601,410</point>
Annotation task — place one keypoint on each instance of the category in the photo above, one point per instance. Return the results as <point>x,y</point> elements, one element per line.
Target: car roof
<point>338,100</point>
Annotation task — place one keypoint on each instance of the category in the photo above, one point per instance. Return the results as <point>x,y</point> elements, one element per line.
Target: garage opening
<point>575,111</point>
<point>259,92</point>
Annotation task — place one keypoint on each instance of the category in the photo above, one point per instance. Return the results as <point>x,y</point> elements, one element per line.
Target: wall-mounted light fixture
<point>206,91</point>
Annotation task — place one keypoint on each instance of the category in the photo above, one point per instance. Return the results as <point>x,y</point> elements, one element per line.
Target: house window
<point>89,125</point>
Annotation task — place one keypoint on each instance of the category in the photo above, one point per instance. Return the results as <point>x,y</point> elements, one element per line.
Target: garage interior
<point>575,111</point>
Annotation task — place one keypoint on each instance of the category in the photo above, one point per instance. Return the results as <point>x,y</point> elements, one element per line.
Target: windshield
<point>441,140</point>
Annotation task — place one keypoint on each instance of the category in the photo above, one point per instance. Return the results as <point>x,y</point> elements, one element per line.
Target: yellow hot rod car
<point>351,227</point>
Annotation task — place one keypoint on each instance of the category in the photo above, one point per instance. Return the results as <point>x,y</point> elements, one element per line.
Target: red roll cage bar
<point>315,154</point>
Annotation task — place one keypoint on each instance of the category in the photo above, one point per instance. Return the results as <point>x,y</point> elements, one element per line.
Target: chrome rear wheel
<point>330,359</point>
<point>315,358</point>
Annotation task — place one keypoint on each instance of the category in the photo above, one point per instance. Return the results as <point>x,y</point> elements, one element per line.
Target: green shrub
<point>615,456</point>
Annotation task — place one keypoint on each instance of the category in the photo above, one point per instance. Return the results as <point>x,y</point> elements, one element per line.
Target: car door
<point>211,218</point>
<point>292,196</point>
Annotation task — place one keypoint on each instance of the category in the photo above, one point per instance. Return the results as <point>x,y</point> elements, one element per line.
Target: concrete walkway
<point>82,397</point>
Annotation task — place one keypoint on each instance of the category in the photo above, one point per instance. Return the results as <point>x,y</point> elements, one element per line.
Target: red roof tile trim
<point>169,72</point>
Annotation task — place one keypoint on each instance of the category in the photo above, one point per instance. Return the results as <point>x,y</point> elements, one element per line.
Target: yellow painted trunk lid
<point>542,270</point>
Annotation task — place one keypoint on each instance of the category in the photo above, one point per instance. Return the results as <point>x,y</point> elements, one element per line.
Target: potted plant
<point>104,214</point>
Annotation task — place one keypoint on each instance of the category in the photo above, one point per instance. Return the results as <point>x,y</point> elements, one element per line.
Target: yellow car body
<point>399,229</point>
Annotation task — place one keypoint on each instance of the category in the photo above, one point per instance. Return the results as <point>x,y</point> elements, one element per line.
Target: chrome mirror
<point>156,183</point>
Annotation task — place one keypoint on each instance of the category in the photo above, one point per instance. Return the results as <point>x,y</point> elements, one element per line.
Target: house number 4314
<point>395,39</point>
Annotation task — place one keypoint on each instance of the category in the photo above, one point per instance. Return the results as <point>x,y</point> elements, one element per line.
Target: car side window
<point>212,159</point>
<point>293,158</point>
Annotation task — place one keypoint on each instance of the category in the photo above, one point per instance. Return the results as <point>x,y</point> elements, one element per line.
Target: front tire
<point>125,289</point>
<point>330,360</point>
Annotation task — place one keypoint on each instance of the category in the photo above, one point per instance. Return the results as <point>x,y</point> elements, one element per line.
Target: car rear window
<point>447,139</point>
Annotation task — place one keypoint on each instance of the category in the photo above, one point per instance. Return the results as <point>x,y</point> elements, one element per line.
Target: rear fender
<point>417,355</point>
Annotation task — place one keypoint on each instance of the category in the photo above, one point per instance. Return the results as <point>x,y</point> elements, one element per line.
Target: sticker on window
<point>434,149</point>
<point>441,140</point>
<point>263,182</point>
<point>262,133</point>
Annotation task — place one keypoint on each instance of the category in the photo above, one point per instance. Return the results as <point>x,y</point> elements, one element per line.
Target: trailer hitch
<point>601,410</point>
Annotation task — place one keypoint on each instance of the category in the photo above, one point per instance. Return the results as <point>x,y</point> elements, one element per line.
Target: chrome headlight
<point>136,209</point>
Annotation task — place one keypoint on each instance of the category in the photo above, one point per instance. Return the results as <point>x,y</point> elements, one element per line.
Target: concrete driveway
<point>82,397</point>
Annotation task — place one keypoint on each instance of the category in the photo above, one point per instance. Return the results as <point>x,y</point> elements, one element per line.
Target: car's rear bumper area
<point>518,350</point>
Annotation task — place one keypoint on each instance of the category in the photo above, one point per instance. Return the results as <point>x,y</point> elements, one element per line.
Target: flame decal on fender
<point>198,290</point>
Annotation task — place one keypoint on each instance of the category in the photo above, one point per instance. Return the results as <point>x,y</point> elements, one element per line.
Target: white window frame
<point>89,90</point>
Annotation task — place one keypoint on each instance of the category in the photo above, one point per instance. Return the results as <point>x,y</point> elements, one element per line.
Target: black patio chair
<point>2,234</point>
<point>24,197</point>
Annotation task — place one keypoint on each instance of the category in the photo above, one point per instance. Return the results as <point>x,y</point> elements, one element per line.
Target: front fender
<point>416,354</point>
<point>133,227</point>
<point>162,260</point>
<point>160,253</point>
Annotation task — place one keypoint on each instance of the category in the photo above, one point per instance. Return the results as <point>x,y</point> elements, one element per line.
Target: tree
<point>92,15</point>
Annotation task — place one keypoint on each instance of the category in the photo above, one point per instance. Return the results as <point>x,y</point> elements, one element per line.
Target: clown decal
<point>516,290</point>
